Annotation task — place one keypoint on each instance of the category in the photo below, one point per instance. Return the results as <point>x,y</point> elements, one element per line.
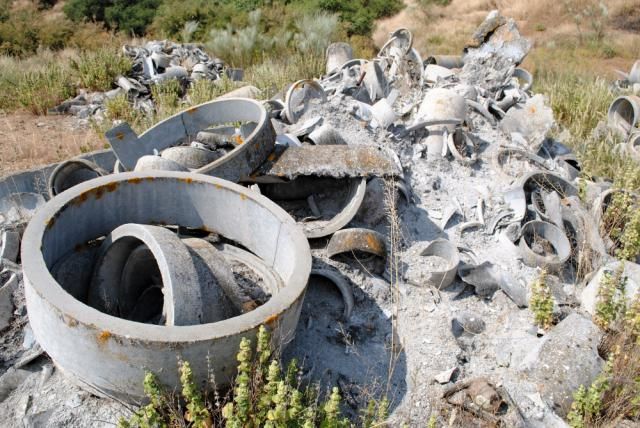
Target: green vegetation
<point>130,17</point>
<point>587,403</point>
<point>98,69</point>
<point>39,90</point>
<point>263,395</point>
<point>611,303</point>
<point>541,302</point>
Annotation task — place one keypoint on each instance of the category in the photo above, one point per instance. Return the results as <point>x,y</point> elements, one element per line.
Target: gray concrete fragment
<point>337,54</point>
<point>533,119</point>
<point>500,36</point>
<point>441,275</point>
<point>9,244</point>
<point>158,163</point>
<point>624,114</point>
<point>18,208</point>
<point>9,285</point>
<point>215,280</point>
<point>565,358</point>
<point>342,284</point>
<point>235,165</point>
<point>190,157</point>
<point>300,95</point>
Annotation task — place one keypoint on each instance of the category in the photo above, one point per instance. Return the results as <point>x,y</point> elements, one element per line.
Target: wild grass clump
<point>264,394</point>
<point>37,91</point>
<point>274,74</point>
<point>98,70</point>
<point>244,46</point>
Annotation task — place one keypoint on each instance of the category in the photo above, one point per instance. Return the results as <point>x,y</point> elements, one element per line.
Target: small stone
<point>445,376</point>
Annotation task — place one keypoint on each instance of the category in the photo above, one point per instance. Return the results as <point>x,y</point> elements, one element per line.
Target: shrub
<point>611,303</point>
<point>263,395</point>
<point>541,302</point>
<point>587,403</point>
<point>98,70</point>
<point>358,16</point>
<point>127,16</point>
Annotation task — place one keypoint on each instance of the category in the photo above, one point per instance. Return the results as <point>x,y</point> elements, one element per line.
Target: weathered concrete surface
<point>332,161</point>
<point>565,358</point>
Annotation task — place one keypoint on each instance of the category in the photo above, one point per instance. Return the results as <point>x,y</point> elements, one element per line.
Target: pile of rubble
<point>156,62</point>
<point>427,194</point>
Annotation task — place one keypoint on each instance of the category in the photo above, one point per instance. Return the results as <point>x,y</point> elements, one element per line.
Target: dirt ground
<point>28,141</point>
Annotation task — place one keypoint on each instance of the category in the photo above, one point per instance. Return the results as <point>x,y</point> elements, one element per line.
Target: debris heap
<point>429,193</point>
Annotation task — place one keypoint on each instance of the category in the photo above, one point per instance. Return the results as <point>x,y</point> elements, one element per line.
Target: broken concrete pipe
<point>446,61</point>
<point>18,208</point>
<point>634,145</point>
<point>303,188</point>
<point>338,54</point>
<point>624,114</point>
<point>137,261</point>
<point>399,44</point>
<point>235,165</point>
<point>69,173</point>
<point>441,259</point>
<point>116,352</point>
<point>440,104</point>
<point>543,244</point>
<point>357,239</point>
<point>343,286</point>
<point>9,245</point>
<point>300,95</point>
<point>525,78</point>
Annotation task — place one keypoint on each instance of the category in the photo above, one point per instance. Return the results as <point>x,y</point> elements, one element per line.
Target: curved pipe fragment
<point>357,239</point>
<point>342,284</point>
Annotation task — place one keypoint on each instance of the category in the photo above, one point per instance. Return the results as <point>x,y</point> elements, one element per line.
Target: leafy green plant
<point>541,301</point>
<point>611,302</point>
<point>263,395</point>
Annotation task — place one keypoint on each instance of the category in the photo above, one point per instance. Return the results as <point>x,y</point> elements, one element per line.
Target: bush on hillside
<point>123,15</point>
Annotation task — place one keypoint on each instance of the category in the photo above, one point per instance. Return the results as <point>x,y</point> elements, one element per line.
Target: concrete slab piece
<point>331,161</point>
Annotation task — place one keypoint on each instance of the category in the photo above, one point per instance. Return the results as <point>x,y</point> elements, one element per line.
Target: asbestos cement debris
<point>155,62</point>
<point>418,203</point>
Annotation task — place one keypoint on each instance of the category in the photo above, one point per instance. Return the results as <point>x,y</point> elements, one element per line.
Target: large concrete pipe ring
<point>624,113</point>
<point>31,180</point>
<point>109,355</point>
<point>69,173</point>
<point>235,165</point>
<point>553,236</point>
